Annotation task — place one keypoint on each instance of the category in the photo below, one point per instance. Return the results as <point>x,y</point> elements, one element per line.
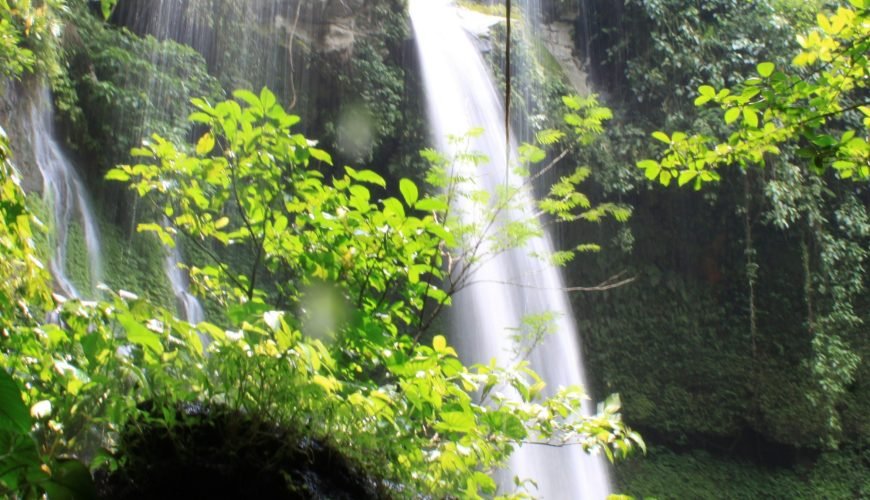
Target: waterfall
<point>187,305</point>
<point>461,95</point>
<point>65,193</point>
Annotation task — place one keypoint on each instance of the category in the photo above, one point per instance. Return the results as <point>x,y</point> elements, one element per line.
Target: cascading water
<point>461,95</point>
<point>188,306</point>
<point>65,193</point>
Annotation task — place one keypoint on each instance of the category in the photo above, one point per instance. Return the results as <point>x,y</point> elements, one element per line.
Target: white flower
<point>41,409</point>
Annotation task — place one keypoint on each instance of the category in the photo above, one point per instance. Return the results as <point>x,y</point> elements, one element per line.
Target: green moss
<point>42,234</point>
<point>665,474</point>
<point>77,265</point>
<point>134,262</point>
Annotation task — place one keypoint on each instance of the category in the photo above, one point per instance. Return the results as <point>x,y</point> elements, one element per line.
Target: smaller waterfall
<point>188,306</point>
<point>66,195</point>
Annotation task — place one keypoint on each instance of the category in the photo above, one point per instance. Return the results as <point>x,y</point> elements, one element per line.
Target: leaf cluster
<point>818,106</point>
<point>372,266</point>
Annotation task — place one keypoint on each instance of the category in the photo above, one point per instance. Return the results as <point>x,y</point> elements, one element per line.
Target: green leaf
<point>205,144</point>
<point>247,96</point>
<point>106,7</point>
<point>394,206</point>
<point>549,136</point>
<point>116,174</point>
<point>572,102</point>
<point>514,428</point>
<point>765,69</point>
<point>651,168</point>
<point>823,140</point>
<point>662,137</point>
<point>200,117</point>
<point>14,415</point>
<point>686,176</point>
<point>531,153</point>
<point>70,480</point>
<point>139,334</point>
<point>321,155</point>
<point>665,178</point>
<point>409,191</point>
<point>750,117</point>
<point>369,176</point>
<point>456,421</point>
<point>267,99</point>
<point>439,343</point>
<point>732,114</point>
<point>647,164</point>
<point>248,311</point>
<point>431,205</point>
<point>486,483</point>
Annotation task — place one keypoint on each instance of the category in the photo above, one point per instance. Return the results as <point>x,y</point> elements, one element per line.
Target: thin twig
<point>603,286</point>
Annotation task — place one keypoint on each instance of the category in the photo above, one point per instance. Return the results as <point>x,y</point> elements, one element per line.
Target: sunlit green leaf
<point>205,144</point>
<point>732,114</point>
<point>409,191</point>
<point>765,69</point>
<point>661,136</point>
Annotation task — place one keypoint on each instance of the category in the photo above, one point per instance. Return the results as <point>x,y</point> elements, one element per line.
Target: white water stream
<point>461,95</point>
<point>188,306</point>
<point>66,195</point>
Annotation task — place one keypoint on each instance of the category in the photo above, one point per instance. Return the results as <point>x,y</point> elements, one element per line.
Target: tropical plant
<point>24,295</point>
<point>805,126</point>
<point>378,271</point>
<point>818,106</point>
<point>339,348</point>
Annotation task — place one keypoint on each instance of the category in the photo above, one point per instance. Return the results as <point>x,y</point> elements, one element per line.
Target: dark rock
<point>216,453</point>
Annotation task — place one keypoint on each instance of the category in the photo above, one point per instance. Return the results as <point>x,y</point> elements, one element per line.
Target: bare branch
<point>608,284</point>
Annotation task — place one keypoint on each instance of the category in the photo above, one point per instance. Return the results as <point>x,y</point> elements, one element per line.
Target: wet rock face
<point>342,8</point>
<point>13,120</point>
<point>339,37</point>
<point>215,453</point>
<point>328,24</point>
<point>324,59</point>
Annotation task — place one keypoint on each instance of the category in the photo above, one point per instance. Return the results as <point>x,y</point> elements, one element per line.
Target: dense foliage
<point>667,474</point>
<point>120,88</point>
<point>378,273</point>
<point>371,381</point>
<point>818,110</point>
<point>364,383</point>
<point>749,298</point>
<point>824,99</point>
<point>754,289</point>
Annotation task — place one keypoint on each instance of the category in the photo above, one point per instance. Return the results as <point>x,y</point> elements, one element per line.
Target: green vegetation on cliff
<point>740,347</point>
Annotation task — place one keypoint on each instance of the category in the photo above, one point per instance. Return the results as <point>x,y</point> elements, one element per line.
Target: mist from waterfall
<point>461,95</point>
<point>65,193</point>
